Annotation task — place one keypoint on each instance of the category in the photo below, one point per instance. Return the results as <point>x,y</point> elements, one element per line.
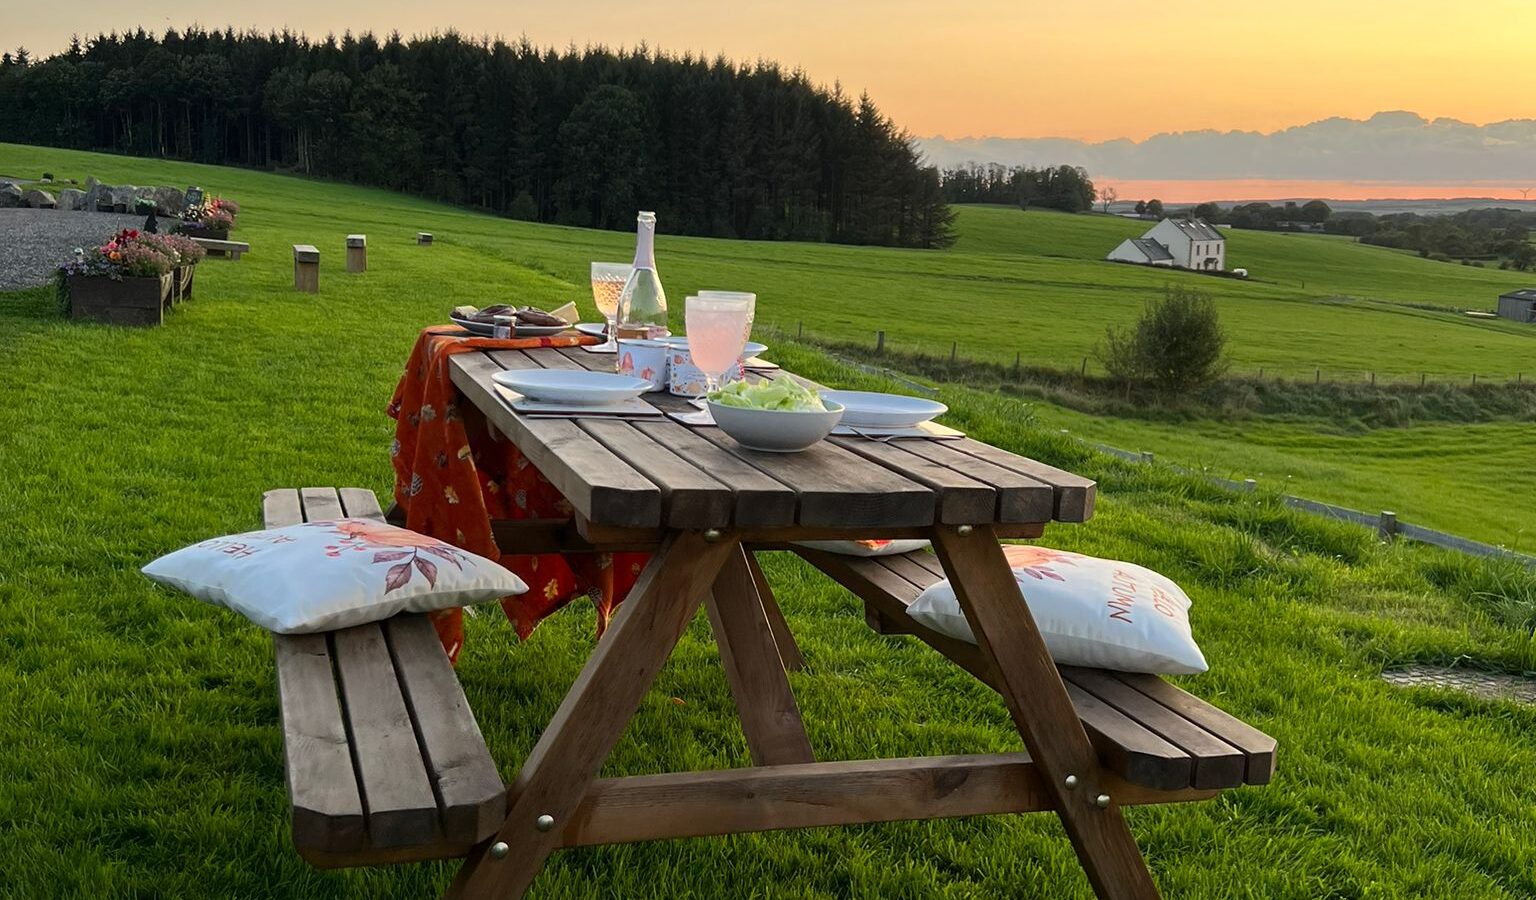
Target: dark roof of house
<point>1198,230</point>
<point>1154,251</point>
<point>1522,294</point>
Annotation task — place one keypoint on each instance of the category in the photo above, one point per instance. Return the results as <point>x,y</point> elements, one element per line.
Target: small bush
<point>1177,346</point>
<point>523,207</point>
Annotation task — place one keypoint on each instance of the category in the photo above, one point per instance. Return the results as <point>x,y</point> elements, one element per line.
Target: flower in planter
<point>214,213</point>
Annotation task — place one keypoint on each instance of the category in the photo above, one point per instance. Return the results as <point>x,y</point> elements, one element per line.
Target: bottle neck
<point>645,245</point>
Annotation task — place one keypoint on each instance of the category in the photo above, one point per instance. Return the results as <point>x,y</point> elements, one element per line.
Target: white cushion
<point>1092,612</point>
<point>320,576</point>
<point>866,548</point>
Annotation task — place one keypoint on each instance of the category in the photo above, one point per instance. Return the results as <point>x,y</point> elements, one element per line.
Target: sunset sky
<point>1010,68</point>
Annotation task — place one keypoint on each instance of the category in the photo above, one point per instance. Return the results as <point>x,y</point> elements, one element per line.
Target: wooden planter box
<point>191,230</point>
<point>131,301</point>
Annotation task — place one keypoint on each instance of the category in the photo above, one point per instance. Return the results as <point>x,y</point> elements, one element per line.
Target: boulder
<point>169,201</point>
<point>38,199</point>
<point>70,198</point>
<point>124,195</point>
<point>96,194</point>
<point>10,196</point>
<point>90,182</point>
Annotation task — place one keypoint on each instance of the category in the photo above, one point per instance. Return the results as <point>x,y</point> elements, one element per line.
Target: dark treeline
<point>1476,236</point>
<point>1066,188</point>
<point>575,137</point>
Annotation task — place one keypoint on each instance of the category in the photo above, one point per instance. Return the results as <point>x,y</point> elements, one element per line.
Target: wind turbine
<point>1524,193</point>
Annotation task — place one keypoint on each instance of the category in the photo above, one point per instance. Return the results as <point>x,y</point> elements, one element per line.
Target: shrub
<point>523,207</point>
<point>1177,345</point>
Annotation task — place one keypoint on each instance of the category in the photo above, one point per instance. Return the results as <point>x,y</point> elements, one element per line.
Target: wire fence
<point>882,342</point>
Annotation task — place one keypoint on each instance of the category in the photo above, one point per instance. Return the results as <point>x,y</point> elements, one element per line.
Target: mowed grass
<point>142,757</point>
<point>1470,479</point>
<point>1029,283</point>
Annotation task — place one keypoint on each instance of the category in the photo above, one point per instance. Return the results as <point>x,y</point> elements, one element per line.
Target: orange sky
<point>1011,68</point>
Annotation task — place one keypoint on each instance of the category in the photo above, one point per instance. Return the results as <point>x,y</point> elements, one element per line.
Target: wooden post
<point>1319,378</point>
<point>1261,373</point>
<point>1422,376</point>
<point>423,237</point>
<point>1373,379</point>
<point>357,253</point>
<point>1386,526</point>
<point>799,330</point>
<point>306,268</point>
<point>1083,372</point>
<point>1016,359</point>
<point>954,350</point>
<point>1474,379</point>
<point>879,342</point>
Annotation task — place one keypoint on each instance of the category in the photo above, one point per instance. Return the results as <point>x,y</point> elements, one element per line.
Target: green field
<point>1033,283</point>
<point>141,755</point>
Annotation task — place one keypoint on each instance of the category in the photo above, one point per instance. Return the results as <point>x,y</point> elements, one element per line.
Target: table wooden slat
<point>1020,498</point>
<point>1074,493</point>
<point>961,499</point>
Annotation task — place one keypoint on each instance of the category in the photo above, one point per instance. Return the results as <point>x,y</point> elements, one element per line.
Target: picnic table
<point>704,504</point>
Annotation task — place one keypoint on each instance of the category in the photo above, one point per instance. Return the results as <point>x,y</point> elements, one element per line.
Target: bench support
<point>357,253</point>
<point>306,268</point>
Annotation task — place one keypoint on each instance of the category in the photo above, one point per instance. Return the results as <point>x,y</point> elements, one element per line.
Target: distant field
<point>1032,283</point>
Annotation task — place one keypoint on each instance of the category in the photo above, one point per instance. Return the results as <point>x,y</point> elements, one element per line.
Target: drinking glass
<point>608,280</point>
<point>718,324</point>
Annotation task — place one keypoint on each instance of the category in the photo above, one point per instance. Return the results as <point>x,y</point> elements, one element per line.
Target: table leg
<point>1037,699</point>
<point>764,701</point>
<point>589,722</point>
<point>789,651</point>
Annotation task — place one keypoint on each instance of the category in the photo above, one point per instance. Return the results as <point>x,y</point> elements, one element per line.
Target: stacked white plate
<point>868,409</point>
<point>575,388</point>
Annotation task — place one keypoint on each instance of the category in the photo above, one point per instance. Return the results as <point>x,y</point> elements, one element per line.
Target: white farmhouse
<point>1185,243</point>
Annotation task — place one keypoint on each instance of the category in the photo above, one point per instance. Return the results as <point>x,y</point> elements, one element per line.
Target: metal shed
<point>1518,305</point>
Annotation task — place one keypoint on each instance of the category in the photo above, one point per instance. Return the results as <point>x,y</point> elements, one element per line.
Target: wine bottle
<point>643,302</point>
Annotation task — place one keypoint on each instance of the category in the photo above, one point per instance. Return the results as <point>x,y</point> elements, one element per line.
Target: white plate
<point>595,329</point>
<point>483,329</point>
<point>580,388</point>
<point>539,330</point>
<point>752,349</point>
<point>868,409</point>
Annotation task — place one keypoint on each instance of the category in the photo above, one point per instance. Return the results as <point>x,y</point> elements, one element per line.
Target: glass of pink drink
<point>718,324</point>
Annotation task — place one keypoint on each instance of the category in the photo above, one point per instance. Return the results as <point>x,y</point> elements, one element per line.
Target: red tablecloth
<point>454,474</point>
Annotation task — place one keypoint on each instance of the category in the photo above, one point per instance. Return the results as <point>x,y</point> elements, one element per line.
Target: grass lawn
<point>1468,478</point>
<point>142,756</point>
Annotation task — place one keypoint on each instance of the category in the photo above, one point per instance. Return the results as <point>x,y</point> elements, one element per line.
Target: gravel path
<point>37,240</point>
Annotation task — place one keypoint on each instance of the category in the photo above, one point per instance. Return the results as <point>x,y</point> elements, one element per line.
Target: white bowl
<point>776,430</point>
<point>867,409</point>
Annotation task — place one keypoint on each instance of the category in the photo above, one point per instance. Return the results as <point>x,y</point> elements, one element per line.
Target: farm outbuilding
<point>1518,305</point>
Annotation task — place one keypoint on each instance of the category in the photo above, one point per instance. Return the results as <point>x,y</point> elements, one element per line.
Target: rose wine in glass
<point>607,284</point>
<point>718,323</point>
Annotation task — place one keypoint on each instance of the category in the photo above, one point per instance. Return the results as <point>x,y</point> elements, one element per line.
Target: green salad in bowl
<point>783,394</point>
<point>781,416</point>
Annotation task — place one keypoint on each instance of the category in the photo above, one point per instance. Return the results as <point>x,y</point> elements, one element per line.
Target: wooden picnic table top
<point>663,474</point>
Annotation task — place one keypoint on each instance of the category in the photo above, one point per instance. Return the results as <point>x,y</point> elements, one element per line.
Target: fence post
<point>1319,378</point>
<point>1386,526</point>
<point>1261,373</point>
<point>1474,379</point>
<point>1016,357</point>
<point>879,342</point>
<point>799,330</point>
<point>1084,371</point>
<point>954,350</point>
<point>1422,376</point>
<point>1250,485</point>
<point>1373,379</point>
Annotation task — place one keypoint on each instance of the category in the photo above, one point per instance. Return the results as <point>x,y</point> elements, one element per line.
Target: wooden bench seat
<point>1145,730</point>
<point>384,760</point>
<point>216,247</point>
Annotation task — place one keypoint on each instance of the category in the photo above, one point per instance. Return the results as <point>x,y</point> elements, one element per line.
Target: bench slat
<point>279,509</point>
<point>1217,764</point>
<point>327,806</point>
<point>402,810</point>
<point>360,503</point>
<point>320,504</point>
<point>470,793</point>
<point>1257,746</point>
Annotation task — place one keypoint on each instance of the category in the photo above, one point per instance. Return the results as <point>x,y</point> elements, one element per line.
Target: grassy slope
<point>995,294</point>
<point>142,758</point>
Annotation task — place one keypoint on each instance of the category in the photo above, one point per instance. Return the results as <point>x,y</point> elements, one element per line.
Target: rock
<point>90,182</point>
<point>71,199</point>
<point>169,201</point>
<point>10,196</point>
<point>38,199</point>
<point>96,194</point>
<point>124,195</point>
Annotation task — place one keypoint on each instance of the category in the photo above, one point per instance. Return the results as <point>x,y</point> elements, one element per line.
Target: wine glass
<point>608,280</point>
<point>718,323</point>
